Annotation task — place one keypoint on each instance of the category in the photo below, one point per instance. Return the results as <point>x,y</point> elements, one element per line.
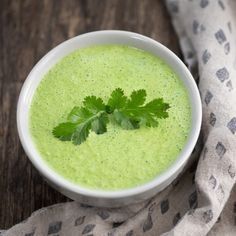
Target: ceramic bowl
<point>98,197</point>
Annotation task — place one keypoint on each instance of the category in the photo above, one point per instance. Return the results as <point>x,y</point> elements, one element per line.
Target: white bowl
<point>97,197</point>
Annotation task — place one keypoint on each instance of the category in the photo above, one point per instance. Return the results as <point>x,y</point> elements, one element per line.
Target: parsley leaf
<point>94,104</point>
<point>99,125</point>
<point>133,113</point>
<point>124,121</point>
<point>81,120</point>
<point>117,100</point>
<point>94,115</point>
<point>64,131</point>
<point>137,98</point>
<point>81,132</point>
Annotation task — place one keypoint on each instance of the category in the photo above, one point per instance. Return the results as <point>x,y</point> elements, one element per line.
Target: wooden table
<point>29,29</point>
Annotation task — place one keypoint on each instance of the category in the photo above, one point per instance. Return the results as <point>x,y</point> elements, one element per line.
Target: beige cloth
<point>202,201</point>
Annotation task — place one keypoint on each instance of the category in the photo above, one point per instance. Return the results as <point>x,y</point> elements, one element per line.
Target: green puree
<point>118,158</point>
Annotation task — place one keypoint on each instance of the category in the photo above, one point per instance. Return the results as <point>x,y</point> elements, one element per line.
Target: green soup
<point>119,158</point>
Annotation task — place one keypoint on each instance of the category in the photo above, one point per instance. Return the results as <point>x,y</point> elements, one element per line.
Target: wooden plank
<point>28,30</point>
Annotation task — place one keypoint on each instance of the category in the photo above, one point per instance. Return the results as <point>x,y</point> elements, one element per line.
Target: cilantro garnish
<point>129,113</point>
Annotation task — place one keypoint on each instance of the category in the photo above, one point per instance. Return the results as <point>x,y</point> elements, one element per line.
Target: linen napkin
<point>203,200</point>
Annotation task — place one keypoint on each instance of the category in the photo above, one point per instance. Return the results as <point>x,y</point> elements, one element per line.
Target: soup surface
<point>119,158</point>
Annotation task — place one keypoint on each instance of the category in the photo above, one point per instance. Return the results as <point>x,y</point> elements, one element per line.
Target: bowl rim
<point>62,182</point>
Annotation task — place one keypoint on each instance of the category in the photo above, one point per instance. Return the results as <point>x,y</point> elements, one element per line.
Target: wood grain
<point>29,29</point>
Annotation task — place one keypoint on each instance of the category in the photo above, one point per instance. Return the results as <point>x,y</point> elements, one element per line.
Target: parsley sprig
<point>130,113</point>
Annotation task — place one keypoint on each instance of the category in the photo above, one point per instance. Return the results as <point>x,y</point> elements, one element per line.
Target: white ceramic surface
<point>97,197</point>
